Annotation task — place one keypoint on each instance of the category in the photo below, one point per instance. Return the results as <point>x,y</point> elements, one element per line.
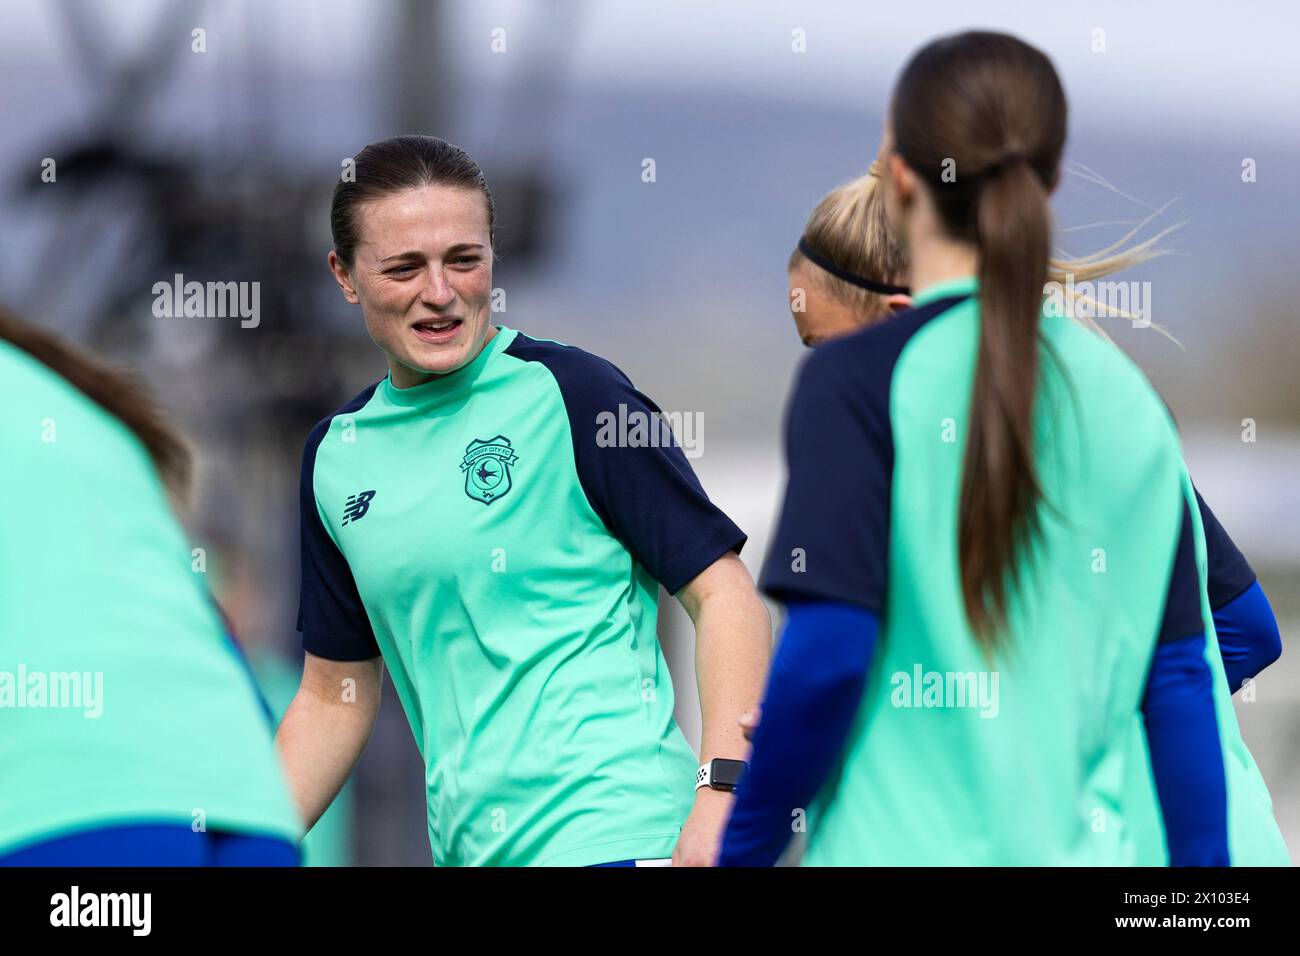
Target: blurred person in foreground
<point>131,733</point>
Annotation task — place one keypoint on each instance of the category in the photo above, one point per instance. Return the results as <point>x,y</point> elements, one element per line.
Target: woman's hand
<point>701,838</point>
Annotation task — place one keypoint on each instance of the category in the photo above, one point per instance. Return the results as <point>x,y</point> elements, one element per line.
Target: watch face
<point>727,773</point>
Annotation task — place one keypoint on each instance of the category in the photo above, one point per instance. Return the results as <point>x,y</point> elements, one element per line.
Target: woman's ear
<point>901,180</point>
<point>899,302</point>
<point>342,277</point>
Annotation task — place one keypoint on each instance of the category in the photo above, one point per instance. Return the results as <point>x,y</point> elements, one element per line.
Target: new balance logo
<point>357,506</point>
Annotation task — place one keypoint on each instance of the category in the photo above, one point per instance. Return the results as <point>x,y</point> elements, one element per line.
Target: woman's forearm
<point>1186,753</point>
<point>325,729</point>
<point>733,646</point>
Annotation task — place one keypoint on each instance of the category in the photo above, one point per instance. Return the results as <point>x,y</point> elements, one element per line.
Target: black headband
<point>871,285</point>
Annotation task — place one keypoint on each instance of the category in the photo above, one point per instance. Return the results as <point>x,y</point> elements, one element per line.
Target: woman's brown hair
<point>849,227</point>
<point>980,117</point>
<point>117,390</point>
<point>393,165</point>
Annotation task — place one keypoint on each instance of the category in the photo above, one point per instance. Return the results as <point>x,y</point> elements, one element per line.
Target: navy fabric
<point>1182,613</point>
<point>839,448</point>
<point>648,497</point>
<point>1249,639</point>
<point>162,844</point>
<point>263,703</point>
<point>228,632</point>
<point>813,693</point>
<point>331,616</point>
<point>1228,571</point>
<point>1186,756</point>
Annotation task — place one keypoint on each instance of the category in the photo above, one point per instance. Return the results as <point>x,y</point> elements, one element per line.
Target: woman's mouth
<point>437,331</point>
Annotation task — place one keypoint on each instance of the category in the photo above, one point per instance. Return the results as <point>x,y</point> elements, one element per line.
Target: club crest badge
<point>487,468</point>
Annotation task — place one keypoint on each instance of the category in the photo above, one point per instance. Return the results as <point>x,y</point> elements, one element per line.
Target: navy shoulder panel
<point>1182,613</point>
<point>1229,574</point>
<point>331,616</point>
<point>831,541</point>
<point>640,484</point>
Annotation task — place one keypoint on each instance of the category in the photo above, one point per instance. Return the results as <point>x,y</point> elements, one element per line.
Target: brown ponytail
<point>990,108</point>
<point>1000,492</point>
<point>116,390</point>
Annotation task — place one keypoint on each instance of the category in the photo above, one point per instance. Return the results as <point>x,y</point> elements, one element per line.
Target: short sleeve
<point>1228,572</point>
<point>633,469</point>
<point>331,616</point>
<point>831,540</point>
<point>1182,614</point>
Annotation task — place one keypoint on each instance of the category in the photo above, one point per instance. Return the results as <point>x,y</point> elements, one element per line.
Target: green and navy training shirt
<point>122,700</point>
<point>953,759</point>
<point>1254,838</point>
<point>483,534</point>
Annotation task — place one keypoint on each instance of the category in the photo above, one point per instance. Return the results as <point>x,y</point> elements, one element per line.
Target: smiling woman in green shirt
<point>466,522</point>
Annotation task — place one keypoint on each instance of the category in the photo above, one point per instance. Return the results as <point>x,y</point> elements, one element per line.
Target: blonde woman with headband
<point>847,272</point>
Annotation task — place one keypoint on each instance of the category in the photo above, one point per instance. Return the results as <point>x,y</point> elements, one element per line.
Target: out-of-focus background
<point>203,139</point>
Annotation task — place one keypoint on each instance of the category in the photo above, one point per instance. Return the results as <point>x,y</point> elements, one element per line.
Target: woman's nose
<point>437,292</point>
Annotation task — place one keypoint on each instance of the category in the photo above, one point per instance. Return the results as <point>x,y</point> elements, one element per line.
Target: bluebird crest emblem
<point>487,468</point>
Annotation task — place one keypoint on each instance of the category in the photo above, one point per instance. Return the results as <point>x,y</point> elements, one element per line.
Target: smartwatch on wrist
<point>720,774</point>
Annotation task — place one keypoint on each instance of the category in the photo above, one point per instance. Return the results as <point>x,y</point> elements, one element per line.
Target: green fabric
<point>1254,838</point>
<point>495,621</point>
<point>95,578</point>
<point>926,785</point>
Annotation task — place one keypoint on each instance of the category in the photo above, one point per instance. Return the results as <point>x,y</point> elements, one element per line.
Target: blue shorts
<point>160,844</point>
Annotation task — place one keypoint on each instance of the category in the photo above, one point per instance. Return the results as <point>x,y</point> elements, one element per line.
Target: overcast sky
<point>1213,69</point>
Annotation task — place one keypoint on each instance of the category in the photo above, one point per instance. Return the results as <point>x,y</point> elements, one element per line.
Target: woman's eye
<point>400,269</point>
<point>469,259</point>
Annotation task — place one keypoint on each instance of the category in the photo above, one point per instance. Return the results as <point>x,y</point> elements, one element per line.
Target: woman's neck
<point>937,259</point>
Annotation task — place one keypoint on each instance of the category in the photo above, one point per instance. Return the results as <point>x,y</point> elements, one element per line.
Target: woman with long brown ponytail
<point>848,271</point>
<point>986,547</point>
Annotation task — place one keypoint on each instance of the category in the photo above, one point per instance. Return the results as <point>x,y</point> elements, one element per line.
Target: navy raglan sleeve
<point>1228,572</point>
<point>831,541</point>
<point>331,617</point>
<point>643,488</point>
<point>1182,614</point>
